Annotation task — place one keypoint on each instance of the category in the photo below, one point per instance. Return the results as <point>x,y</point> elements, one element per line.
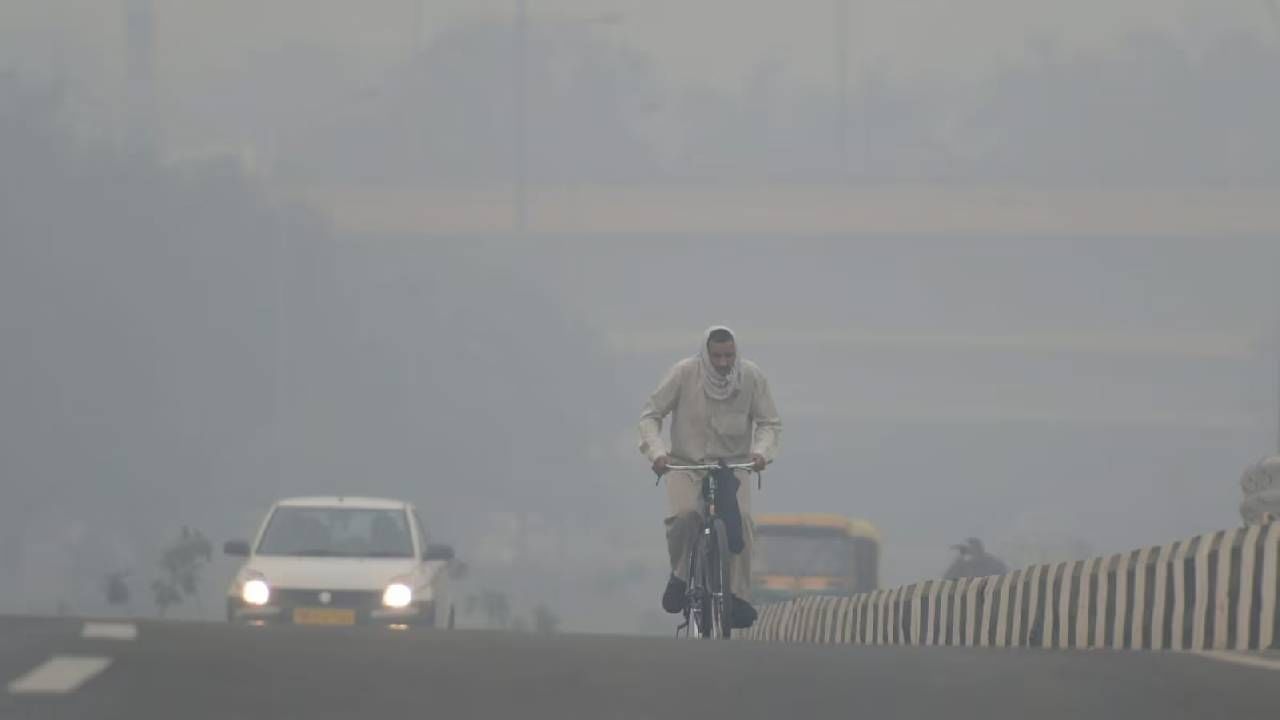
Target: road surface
<point>64,668</point>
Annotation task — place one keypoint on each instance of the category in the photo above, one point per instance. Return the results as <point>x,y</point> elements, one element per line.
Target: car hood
<point>331,573</point>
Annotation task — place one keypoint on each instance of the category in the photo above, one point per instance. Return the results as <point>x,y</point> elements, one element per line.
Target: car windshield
<point>802,555</point>
<point>337,532</point>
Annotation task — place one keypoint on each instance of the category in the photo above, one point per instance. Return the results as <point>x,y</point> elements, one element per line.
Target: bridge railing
<point>1216,591</point>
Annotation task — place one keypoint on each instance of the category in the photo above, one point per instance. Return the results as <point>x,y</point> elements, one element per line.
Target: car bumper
<point>422,613</point>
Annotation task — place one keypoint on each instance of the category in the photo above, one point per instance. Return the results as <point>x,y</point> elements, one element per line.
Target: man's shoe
<point>744,616</point>
<point>673,598</point>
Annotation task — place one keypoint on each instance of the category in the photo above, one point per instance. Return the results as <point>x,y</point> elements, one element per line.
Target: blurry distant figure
<point>116,589</point>
<point>974,561</point>
<point>544,620</point>
<point>1261,486</point>
<point>458,570</point>
<point>493,604</point>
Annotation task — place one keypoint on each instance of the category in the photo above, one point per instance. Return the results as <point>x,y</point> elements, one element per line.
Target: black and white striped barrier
<point>1215,591</point>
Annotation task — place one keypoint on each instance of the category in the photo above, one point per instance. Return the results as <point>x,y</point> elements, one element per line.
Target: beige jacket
<point>703,429</point>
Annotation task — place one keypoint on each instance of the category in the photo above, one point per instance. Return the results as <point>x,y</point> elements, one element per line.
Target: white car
<point>341,561</point>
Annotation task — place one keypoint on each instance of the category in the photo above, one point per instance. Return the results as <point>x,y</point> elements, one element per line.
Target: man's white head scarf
<point>715,385</point>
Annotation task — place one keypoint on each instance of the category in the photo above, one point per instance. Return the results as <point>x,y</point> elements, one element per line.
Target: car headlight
<point>397,595</point>
<point>256,592</point>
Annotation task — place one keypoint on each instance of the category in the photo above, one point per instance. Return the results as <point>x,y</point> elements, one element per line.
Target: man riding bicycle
<point>722,410</point>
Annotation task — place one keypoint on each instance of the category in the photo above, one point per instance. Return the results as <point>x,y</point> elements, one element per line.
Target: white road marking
<point>60,674</point>
<point>1239,659</point>
<point>110,631</point>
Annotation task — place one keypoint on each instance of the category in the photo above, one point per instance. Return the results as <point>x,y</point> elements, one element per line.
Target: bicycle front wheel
<point>719,581</point>
<point>698,613</point>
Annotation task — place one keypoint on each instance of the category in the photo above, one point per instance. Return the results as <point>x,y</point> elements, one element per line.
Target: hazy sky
<point>713,41</point>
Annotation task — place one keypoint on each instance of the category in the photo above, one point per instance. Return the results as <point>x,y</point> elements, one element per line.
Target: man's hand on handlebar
<point>758,462</point>
<point>660,465</point>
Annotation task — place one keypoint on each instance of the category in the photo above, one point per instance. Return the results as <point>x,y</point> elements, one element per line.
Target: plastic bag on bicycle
<point>726,505</point>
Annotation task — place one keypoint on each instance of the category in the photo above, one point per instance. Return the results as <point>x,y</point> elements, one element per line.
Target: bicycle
<point>708,609</point>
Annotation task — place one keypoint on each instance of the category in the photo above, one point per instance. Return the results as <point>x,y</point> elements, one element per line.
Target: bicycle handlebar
<point>715,466</point>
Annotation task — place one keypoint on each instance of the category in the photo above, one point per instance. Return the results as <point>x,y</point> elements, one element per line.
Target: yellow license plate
<point>323,616</point>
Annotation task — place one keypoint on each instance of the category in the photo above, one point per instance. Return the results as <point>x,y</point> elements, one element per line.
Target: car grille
<point>357,599</point>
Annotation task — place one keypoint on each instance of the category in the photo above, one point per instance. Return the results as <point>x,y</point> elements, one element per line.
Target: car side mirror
<point>238,548</point>
<point>438,552</point>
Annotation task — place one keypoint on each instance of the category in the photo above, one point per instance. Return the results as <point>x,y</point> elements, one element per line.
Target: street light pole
<point>521,161</point>
<point>1276,359</point>
<point>143,128</point>
<point>842,75</point>
<point>418,39</point>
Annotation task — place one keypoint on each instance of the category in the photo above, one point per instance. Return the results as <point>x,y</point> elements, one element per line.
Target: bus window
<point>804,555</point>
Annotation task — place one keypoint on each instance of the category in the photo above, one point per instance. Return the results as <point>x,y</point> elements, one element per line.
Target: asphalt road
<point>50,670</point>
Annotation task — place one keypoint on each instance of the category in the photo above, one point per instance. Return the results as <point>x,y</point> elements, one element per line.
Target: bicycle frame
<point>697,612</point>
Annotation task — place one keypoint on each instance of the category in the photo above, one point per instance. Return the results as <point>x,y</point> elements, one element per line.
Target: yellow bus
<point>813,554</point>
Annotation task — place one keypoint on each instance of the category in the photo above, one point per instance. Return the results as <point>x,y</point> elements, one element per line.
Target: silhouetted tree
<point>180,567</point>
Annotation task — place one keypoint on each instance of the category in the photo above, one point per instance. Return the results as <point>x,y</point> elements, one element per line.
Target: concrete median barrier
<point>1216,591</point>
